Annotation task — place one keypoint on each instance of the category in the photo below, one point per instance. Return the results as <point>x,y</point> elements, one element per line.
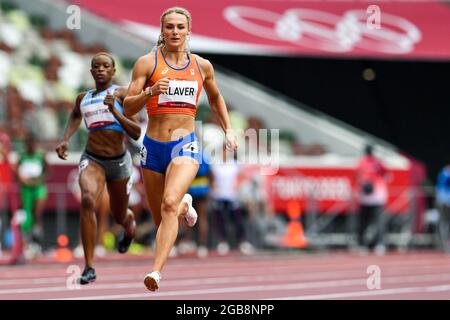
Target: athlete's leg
<point>118,199</point>
<point>102,209</point>
<point>26,194</point>
<point>39,207</point>
<point>154,189</point>
<point>179,176</point>
<point>18,243</point>
<point>92,183</point>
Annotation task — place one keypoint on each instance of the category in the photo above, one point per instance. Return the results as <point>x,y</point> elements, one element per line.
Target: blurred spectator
<point>5,66</point>
<point>30,118</point>
<point>226,205</point>
<point>255,123</point>
<point>5,172</point>
<point>18,133</point>
<point>31,172</point>
<point>237,119</point>
<point>300,149</point>
<point>46,33</point>
<point>443,204</point>
<point>254,199</point>
<point>371,181</point>
<point>47,118</point>
<point>51,68</point>
<point>9,200</point>
<point>255,143</point>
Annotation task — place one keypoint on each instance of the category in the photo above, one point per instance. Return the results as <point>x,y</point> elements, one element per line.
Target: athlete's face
<point>175,29</point>
<point>102,69</point>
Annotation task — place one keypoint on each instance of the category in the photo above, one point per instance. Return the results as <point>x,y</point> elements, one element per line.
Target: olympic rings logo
<point>326,31</point>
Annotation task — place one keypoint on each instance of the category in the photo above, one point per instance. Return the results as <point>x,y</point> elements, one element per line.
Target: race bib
<point>180,94</point>
<point>83,165</point>
<point>97,115</point>
<point>143,154</point>
<point>30,170</point>
<point>191,147</point>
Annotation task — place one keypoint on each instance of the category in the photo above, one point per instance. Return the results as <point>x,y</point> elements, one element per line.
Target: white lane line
<point>196,272</point>
<point>276,287</point>
<point>381,292</point>
<point>62,280</point>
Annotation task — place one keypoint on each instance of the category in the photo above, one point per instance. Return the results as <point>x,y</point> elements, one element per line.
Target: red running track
<point>266,275</point>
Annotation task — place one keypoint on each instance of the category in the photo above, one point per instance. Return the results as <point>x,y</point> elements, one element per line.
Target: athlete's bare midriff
<point>169,127</point>
<point>106,143</point>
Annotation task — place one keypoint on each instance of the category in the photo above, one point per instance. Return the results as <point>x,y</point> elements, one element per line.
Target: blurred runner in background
<point>373,195</point>
<point>32,171</point>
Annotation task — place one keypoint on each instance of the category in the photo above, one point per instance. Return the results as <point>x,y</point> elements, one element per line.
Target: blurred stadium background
<point>328,83</point>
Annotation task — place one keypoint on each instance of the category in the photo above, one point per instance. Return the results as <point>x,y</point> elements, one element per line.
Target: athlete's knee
<point>169,205</point>
<point>88,201</point>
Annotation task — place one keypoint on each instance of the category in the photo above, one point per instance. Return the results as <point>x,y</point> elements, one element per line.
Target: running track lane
<point>266,275</point>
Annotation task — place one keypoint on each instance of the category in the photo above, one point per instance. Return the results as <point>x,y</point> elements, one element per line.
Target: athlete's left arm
<point>130,125</point>
<point>216,101</point>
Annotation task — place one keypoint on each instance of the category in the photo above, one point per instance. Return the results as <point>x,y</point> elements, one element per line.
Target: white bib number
<point>30,170</point>
<point>97,115</point>
<point>179,94</point>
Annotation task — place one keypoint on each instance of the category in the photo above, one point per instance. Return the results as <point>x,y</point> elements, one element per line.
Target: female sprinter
<point>168,81</point>
<point>105,159</point>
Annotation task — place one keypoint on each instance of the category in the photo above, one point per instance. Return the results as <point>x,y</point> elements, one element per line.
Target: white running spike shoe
<point>191,216</point>
<point>152,280</point>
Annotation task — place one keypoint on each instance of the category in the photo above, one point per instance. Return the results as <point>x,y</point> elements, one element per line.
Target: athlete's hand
<point>160,86</point>
<point>231,140</point>
<point>109,100</point>
<point>61,150</point>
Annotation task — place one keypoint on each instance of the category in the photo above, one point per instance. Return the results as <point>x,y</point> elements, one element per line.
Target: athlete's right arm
<point>136,98</point>
<point>72,126</point>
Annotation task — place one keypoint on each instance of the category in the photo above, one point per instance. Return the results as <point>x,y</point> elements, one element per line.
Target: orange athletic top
<point>185,86</point>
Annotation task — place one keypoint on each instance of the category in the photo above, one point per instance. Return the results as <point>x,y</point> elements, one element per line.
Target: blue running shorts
<point>156,155</point>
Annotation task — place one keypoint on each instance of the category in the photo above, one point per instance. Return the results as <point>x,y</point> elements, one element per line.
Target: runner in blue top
<point>105,159</point>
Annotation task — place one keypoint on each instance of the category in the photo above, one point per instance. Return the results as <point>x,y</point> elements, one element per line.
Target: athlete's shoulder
<point>144,65</point>
<point>204,64</point>
<point>80,97</point>
<point>146,61</point>
<point>120,92</point>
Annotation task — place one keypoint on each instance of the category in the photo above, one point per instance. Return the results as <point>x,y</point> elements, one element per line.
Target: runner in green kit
<point>31,171</point>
